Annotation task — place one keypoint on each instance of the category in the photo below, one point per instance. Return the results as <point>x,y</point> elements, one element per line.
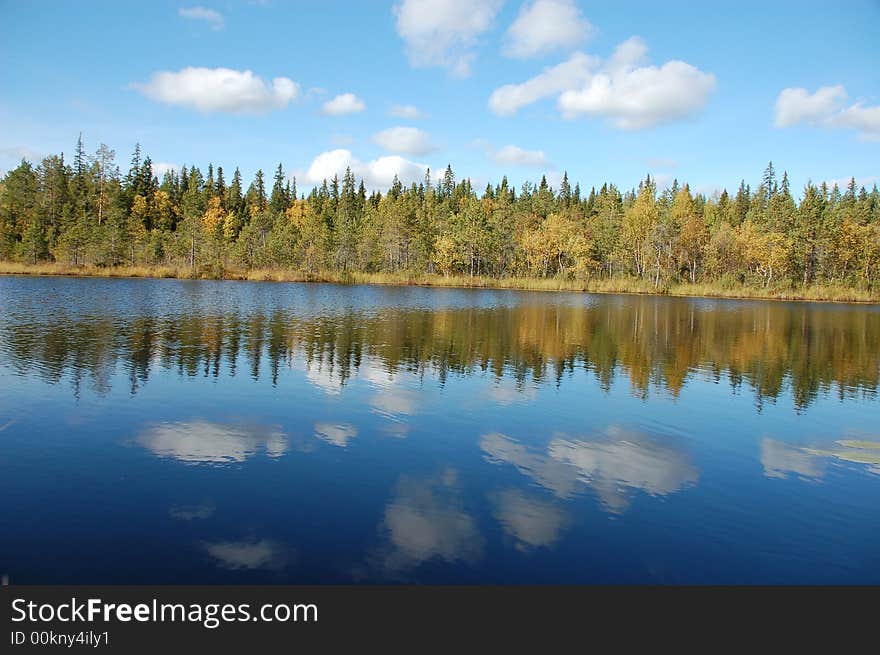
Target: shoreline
<point>818,293</point>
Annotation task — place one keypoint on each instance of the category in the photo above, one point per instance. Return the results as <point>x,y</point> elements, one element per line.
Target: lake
<point>167,431</point>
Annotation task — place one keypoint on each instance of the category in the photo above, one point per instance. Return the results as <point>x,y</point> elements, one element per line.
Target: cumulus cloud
<point>443,32</point>
<point>516,156</point>
<point>797,105</point>
<point>213,18</point>
<point>511,155</point>
<point>630,95</point>
<point>865,120</point>
<point>510,98</point>
<point>635,97</point>
<point>405,140</point>
<point>409,112</point>
<point>827,108</point>
<point>219,90</point>
<point>376,174</point>
<point>344,103</point>
<point>543,26</point>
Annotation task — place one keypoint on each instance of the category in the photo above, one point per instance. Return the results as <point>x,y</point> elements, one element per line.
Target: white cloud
<point>544,26</point>
<point>826,108</point>
<point>409,112</point>
<point>510,98</point>
<point>219,90</point>
<point>213,18</point>
<point>635,97</point>
<point>631,95</point>
<point>443,32</point>
<point>405,140</point>
<point>376,174</point>
<point>511,155</point>
<point>344,103</point>
<point>797,105</point>
<point>516,156</point>
<point>866,120</point>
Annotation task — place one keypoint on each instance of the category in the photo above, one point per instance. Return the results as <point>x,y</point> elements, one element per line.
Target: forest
<point>88,214</point>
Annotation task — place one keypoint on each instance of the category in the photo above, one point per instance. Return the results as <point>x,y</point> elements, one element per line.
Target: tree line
<point>89,213</point>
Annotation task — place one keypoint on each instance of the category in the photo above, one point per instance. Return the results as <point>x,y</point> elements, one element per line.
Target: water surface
<point>165,431</point>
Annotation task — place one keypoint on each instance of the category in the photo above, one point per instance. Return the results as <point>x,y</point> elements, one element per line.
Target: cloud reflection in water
<point>203,442</point>
<point>614,465</point>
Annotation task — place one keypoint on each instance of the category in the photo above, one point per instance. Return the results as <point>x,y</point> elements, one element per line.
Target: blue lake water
<point>165,431</point>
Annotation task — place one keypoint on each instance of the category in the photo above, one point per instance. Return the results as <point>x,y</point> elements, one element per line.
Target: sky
<point>605,91</point>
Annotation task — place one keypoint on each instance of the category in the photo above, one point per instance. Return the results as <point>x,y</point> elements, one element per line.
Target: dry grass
<point>837,293</point>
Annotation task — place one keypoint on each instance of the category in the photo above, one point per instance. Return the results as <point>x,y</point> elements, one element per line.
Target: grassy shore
<point>834,293</point>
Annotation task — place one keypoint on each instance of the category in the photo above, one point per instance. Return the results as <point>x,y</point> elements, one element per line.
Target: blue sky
<point>697,93</point>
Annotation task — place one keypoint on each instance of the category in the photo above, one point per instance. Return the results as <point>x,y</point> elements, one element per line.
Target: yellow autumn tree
<point>693,233</point>
<point>313,238</point>
<point>446,255</point>
<point>765,252</point>
<point>638,223</point>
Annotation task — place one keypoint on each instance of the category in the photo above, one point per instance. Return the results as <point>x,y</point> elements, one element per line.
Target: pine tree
<point>279,202</point>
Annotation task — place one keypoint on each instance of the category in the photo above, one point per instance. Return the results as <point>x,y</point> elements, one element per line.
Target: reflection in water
<point>780,458</point>
<point>855,451</point>
<point>192,512</point>
<point>395,402</point>
<point>550,473</point>
<point>288,405</point>
<point>200,441</point>
<point>506,392</point>
<point>774,348</point>
<point>613,465</point>
<point>248,554</point>
<point>425,521</point>
<point>530,521</point>
<point>336,434</point>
